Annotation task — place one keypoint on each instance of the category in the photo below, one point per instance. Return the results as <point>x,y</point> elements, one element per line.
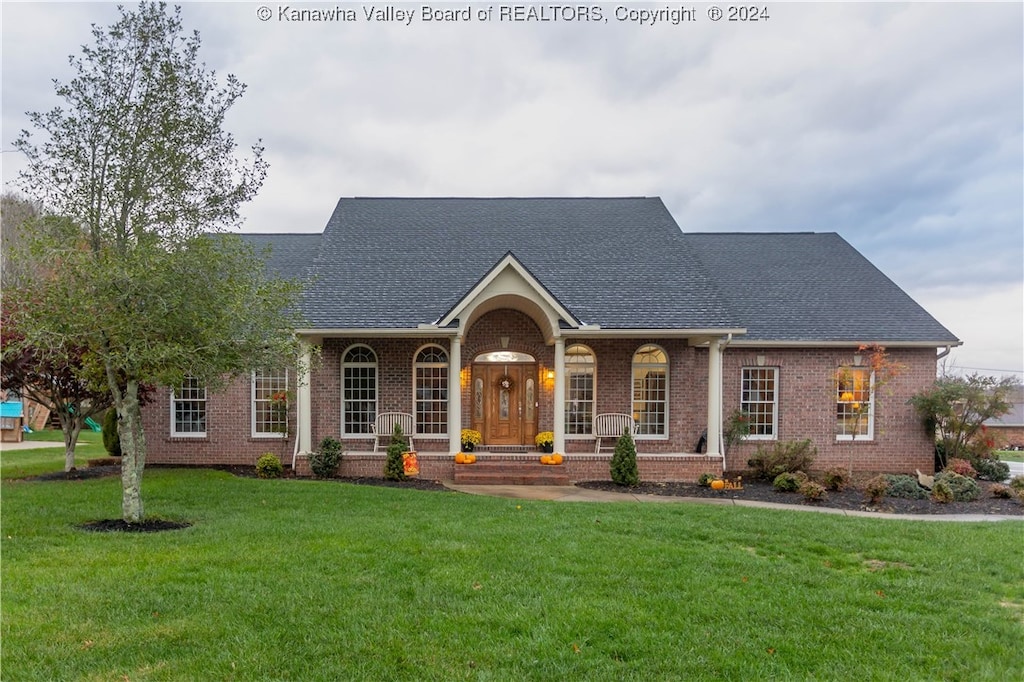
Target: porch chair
<point>611,426</point>
<point>384,427</point>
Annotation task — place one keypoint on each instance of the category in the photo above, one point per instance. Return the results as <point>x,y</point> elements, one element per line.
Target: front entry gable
<point>509,284</point>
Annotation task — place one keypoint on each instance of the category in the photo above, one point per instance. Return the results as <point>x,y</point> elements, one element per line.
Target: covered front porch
<point>510,361</point>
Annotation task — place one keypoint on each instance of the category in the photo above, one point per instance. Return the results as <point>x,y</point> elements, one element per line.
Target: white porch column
<point>714,443</point>
<point>304,402</point>
<point>559,396</point>
<point>455,396</point>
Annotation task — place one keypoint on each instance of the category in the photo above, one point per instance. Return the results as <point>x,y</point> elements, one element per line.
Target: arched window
<point>431,385</point>
<point>579,390</point>
<point>358,390</point>
<point>650,391</point>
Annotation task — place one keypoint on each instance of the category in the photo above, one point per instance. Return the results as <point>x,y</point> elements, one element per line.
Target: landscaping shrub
<point>876,488</point>
<point>1017,482</point>
<point>961,467</point>
<point>623,465</point>
<point>111,439</point>
<point>789,482</point>
<point>394,468</point>
<point>812,491</point>
<point>269,466</point>
<point>963,489</point>
<point>705,480</point>
<point>1003,492</point>
<point>782,457</point>
<point>905,487</point>
<point>991,469</point>
<point>836,479</point>
<point>324,462</point>
<point>942,493</point>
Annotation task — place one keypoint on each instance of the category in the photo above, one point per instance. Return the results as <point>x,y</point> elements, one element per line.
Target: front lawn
<point>1010,455</point>
<point>308,580</point>
<point>22,463</point>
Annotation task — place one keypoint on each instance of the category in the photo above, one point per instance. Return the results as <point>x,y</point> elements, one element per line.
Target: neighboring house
<point>515,316</point>
<point>1009,429</point>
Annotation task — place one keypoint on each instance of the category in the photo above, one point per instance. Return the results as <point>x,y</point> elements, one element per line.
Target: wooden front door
<point>505,402</point>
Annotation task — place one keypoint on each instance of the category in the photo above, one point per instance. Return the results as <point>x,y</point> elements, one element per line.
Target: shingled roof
<point>620,263</point>
<point>811,287</point>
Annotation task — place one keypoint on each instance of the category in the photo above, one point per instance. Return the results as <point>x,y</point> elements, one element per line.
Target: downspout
<point>944,353</point>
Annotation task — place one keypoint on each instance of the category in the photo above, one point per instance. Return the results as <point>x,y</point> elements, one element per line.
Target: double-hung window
<point>270,403</point>
<point>855,410</point>
<point>759,400</point>
<point>188,409</point>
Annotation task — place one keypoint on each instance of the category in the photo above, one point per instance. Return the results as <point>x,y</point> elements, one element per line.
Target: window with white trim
<point>759,400</point>
<point>650,391</point>
<point>188,409</point>
<point>431,385</point>
<point>855,410</point>
<point>579,390</point>
<point>358,391</point>
<point>270,403</point>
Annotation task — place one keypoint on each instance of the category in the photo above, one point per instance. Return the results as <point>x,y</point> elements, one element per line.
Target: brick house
<point>517,316</point>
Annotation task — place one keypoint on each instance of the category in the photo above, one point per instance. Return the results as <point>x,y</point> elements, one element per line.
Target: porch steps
<point>510,473</point>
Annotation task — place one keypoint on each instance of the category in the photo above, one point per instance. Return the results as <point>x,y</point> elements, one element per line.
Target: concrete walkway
<point>31,445</point>
<point>571,493</point>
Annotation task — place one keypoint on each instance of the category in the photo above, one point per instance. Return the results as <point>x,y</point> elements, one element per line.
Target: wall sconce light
<point>760,361</point>
<point>504,341</point>
<point>856,360</point>
<point>550,375</point>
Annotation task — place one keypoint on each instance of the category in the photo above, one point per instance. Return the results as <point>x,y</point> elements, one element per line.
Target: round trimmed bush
<point>269,466</point>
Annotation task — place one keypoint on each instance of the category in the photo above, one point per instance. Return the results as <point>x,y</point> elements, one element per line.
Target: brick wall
<point>806,404</point>
<point>807,408</point>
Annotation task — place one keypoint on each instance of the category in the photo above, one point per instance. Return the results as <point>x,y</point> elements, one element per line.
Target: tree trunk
<point>133,452</point>
<point>71,426</point>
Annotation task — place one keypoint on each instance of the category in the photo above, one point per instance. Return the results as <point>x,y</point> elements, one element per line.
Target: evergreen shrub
<point>623,465</point>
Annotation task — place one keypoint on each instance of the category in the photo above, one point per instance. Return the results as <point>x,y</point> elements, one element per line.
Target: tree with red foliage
<point>54,378</point>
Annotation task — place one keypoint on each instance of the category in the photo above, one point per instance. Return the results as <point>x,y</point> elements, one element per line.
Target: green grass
<point>1010,455</point>
<point>309,580</point>
<point>23,463</point>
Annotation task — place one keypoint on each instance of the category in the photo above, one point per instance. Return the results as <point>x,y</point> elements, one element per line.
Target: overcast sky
<point>898,126</point>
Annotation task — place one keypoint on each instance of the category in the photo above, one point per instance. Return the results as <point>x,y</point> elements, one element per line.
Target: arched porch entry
<point>505,397</point>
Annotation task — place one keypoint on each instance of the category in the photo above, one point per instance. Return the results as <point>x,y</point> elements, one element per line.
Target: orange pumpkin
<point>556,459</point>
<point>718,484</point>
<point>460,458</point>
<point>545,459</point>
<point>470,459</point>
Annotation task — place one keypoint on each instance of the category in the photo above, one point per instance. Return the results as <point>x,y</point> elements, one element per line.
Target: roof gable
<point>617,263</point>
<point>510,284</point>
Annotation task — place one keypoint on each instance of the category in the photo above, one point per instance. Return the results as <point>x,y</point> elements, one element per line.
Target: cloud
<point>898,126</point>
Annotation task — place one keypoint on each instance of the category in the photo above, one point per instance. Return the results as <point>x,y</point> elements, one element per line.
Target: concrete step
<point>510,473</point>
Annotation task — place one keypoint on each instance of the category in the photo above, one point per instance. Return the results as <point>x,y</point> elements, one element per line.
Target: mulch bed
<point>760,491</point>
<point>122,526</point>
<point>850,498</point>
